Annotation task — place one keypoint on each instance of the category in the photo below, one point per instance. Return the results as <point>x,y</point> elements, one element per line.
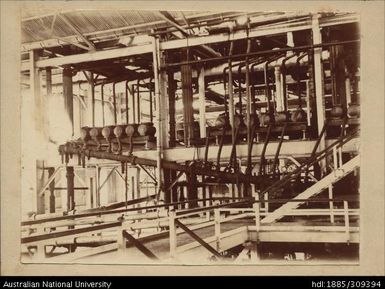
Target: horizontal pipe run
<point>235,177</point>
<point>264,52</point>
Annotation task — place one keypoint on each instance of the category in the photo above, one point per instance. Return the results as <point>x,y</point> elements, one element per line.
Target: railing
<point>258,211</point>
<point>317,157</point>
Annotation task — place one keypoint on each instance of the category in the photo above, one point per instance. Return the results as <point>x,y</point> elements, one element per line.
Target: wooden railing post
<point>331,205</point>
<point>172,233</point>
<point>217,227</point>
<point>346,217</point>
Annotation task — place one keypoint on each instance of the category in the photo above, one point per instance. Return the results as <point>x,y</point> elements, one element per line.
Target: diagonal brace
<point>198,239</point>
<point>140,246</point>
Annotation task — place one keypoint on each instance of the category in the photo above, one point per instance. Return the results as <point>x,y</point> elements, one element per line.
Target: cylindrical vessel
<point>337,112</point>
<point>120,131</point>
<point>131,129</point>
<point>146,129</point>
<point>85,133</point>
<point>265,119</point>
<point>96,132</point>
<point>354,110</point>
<point>299,115</point>
<point>108,131</point>
<point>254,120</point>
<point>281,117</point>
<point>220,121</point>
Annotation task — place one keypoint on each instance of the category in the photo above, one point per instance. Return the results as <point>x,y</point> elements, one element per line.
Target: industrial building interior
<point>190,137</point>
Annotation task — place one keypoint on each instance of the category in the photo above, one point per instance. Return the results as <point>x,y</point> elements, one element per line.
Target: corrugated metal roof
<point>36,25</point>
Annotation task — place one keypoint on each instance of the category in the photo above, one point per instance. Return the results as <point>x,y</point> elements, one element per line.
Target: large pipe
<point>258,53</point>
<point>159,146</point>
<point>68,149</point>
<point>126,86</point>
<point>102,95</point>
<point>284,91</point>
<point>114,102</point>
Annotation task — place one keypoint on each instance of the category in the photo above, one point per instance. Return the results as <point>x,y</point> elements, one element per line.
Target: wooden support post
<point>174,190</point>
<point>68,95</point>
<point>318,80</point>
<point>308,103</point>
<point>192,190</point>
<point>52,206</point>
<point>346,218</point>
<point>171,106</point>
<point>70,188</point>
<point>121,238</point>
<point>257,212</point>
<point>202,103</point>
<point>335,158</point>
<point>166,183</point>
<point>40,201</point>
<point>172,234</point>
<point>348,91</point>
<point>217,228</point>
<point>35,87</point>
<point>48,80</point>
<point>331,205</point>
<point>164,113</point>
<point>90,197</point>
<point>187,97</point>
<point>159,89</point>
<point>266,198</point>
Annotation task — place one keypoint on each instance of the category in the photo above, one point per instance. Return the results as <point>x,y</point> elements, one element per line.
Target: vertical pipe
<point>102,96</point>
<point>126,89</point>
<point>150,98</point>
<point>133,104</point>
<point>171,105</point>
<point>138,100</point>
<point>298,68</point>
<point>70,188</point>
<point>156,60</point>
<point>68,95</point>
<point>48,77</point>
<point>187,97</point>
<point>278,95</point>
<point>51,171</point>
<point>114,102</point>
<point>308,103</point>
<point>202,103</point>
<point>231,95</point>
<point>92,97</point>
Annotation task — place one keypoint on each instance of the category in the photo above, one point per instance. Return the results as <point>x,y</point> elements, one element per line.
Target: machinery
<point>182,131</point>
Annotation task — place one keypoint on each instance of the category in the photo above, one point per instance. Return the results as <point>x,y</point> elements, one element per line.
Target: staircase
<point>314,190</point>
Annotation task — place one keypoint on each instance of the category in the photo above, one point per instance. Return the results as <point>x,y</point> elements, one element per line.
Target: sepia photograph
<point>171,136</point>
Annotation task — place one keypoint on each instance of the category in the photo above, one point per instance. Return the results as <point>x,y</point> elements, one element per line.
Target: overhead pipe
<point>284,90</point>
<point>269,116</point>
<point>299,115</point>
<point>248,107</point>
<point>150,91</point>
<point>70,149</point>
<point>102,96</point>
<point>126,86</point>
<point>138,99</point>
<point>259,53</point>
<point>114,102</point>
<point>229,116</point>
